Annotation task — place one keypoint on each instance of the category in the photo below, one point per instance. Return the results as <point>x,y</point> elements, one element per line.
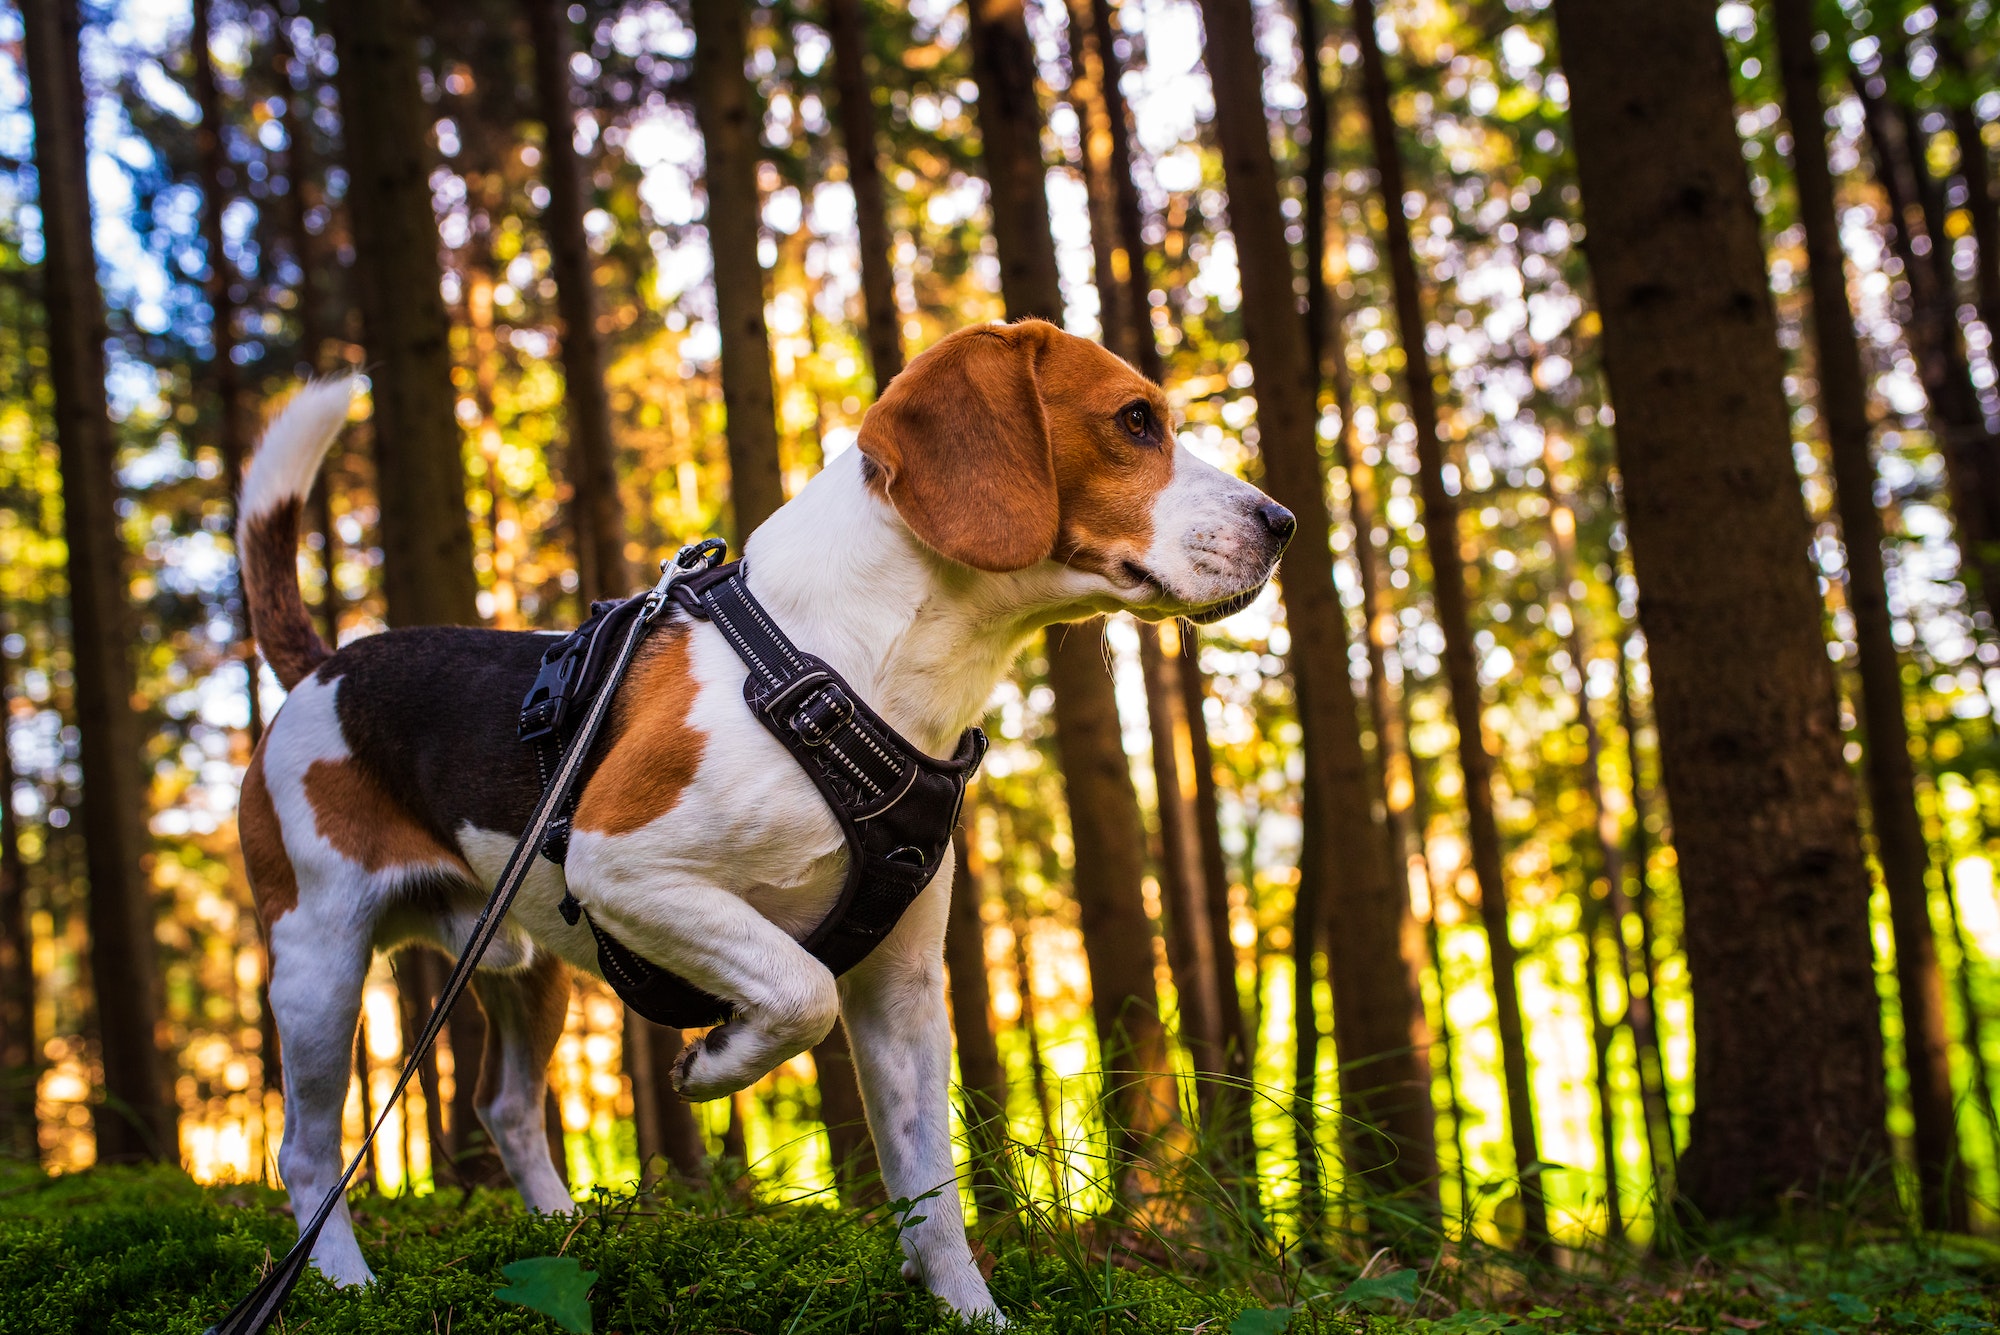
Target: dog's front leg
<point>894,1006</point>
<point>784,1000</point>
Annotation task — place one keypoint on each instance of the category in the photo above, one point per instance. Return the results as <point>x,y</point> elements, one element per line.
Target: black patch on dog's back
<point>433,714</point>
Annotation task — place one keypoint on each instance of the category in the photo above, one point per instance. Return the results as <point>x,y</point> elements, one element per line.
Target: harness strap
<point>897,806</point>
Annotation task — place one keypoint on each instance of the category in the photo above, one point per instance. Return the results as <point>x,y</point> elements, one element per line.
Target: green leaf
<point>1261,1321</point>
<point>1544,1313</point>
<point>555,1286</point>
<point>1850,1306</point>
<point>1399,1285</point>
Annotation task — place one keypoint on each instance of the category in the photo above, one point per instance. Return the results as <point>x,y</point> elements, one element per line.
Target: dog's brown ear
<point>963,443</point>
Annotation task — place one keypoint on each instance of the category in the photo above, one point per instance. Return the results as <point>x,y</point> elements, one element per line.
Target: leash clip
<point>692,559</point>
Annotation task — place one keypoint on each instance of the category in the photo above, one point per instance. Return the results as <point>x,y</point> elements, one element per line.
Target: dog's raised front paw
<point>699,1074</point>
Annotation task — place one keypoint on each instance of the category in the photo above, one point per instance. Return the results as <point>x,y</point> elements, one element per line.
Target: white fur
<point>287,459</point>
<point>720,887</point>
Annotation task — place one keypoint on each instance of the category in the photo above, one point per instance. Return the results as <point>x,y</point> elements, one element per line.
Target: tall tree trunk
<point>1449,594</point>
<point>1435,890</point>
<point>1972,463</point>
<point>1378,1017</point>
<point>1788,1048</point>
<point>293,76</point>
<point>1652,1060</point>
<point>1190,944</point>
<point>1107,835</point>
<point>1197,977</point>
<point>1173,665</point>
<point>232,422</point>
<point>983,1081</point>
<point>1975,166</point>
<point>1602,1032</point>
<point>726,112</point>
<point>1237,1031</point>
<point>1892,785</point>
<point>20,1058</point>
<point>593,458</point>
<point>1638,1016</point>
<point>1108,839</point>
<point>854,105</point>
<point>427,574</point>
<point>137,1119</point>
<point>597,513</point>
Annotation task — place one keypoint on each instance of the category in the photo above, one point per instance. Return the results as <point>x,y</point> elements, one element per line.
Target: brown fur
<point>365,825</point>
<point>274,886</point>
<point>1002,446</point>
<point>653,752</point>
<point>278,617</point>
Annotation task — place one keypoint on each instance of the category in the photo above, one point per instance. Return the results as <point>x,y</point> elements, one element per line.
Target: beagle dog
<point>1013,476</point>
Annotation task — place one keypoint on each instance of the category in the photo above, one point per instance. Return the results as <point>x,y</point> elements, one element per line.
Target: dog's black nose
<point>1280,521</point>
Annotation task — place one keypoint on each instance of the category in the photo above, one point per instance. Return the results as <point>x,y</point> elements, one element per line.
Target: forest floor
<point>148,1251</point>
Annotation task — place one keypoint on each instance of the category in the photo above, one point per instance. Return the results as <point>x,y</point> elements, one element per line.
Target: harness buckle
<point>821,714</point>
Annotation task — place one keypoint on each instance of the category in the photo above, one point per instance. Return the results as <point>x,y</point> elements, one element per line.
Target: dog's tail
<point>275,486</point>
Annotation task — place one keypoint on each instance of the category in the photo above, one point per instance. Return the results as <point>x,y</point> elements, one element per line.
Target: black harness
<point>896,806</point>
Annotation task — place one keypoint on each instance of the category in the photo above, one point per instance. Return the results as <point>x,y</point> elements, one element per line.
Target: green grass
<point>147,1251</point>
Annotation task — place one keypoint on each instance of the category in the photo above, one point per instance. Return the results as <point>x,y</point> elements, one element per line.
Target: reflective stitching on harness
<point>859,773</point>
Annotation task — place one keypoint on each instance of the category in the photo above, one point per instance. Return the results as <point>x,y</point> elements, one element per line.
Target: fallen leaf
<point>555,1286</point>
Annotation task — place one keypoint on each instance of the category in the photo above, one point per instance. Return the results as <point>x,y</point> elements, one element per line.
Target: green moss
<point>148,1252</point>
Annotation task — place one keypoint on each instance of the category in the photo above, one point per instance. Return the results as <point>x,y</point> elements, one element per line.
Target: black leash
<point>254,1314</point>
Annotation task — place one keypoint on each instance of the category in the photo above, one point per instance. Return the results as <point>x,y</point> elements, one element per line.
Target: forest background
<point>1600,811</point>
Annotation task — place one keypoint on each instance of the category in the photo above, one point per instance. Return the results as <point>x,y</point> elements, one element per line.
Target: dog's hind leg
<point>319,963</point>
<point>524,1020</point>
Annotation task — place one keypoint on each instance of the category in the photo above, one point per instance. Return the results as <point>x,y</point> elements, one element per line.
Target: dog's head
<point>1007,446</point>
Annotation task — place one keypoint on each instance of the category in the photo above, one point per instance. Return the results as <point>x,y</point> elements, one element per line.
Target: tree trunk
<point>854,105</point>
<point>417,978</point>
<point>20,1057</point>
<point>1192,941</point>
<point>1441,522</point>
<point>1892,785</point>
<point>726,112</point>
<point>427,574</point>
<point>593,457</point>
<point>1610,850</point>
<point>663,1123</point>
<point>1107,835</point>
<point>1652,1061</point>
<point>137,1119</point>
<point>1169,652</point>
<point>1190,944</point>
<point>296,92</point>
<point>1975,167</point>
<point>1788,1048</point>
<point>983,1081</point>
<point>1141,1100</point>
<point>1434,948</point>
<point>232,423</point>
<point>1237,1031</point>
<point>1602,1031</point>
<point>1972,464</point>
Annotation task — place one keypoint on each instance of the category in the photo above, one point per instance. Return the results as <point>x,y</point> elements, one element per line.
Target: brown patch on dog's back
<point>274,886</point>
<point>653,752</point>
<point>365,825</point>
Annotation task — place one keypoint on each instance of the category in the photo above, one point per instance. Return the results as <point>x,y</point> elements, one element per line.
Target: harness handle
<point>255,1313</point>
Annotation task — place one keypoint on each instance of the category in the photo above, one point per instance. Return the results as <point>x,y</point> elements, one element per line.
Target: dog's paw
<point>961,1288</point>
<point>699,1074</point>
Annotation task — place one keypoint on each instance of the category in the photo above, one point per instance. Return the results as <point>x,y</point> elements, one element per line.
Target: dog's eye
<point>1138,420</point>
